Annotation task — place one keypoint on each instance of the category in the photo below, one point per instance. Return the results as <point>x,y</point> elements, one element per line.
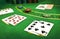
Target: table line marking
<point>36,16</point>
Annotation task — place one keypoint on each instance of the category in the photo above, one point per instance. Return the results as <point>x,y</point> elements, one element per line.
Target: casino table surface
<point>17,32</point>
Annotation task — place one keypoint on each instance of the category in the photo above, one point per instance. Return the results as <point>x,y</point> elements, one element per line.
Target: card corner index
<point>5,21</point>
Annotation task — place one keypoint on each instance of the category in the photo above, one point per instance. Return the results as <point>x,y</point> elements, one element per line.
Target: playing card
<point>14,19</point>
<point>6,11</point>
<point>41,6</point>
<point>31,27</point>
<point>49,6</point>
<point>44,28</point>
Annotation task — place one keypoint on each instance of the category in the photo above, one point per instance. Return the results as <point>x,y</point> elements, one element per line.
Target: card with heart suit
<point>6,11</point>
<point>14,19</point>
<point>49,6</point>
<point>40,28</point>
<point>45,6</point>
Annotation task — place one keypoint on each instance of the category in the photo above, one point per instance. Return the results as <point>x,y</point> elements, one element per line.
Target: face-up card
<point>31,27</point>
<point>5,11</point>
<point>14,19</point>
<point>49,6</point>
<point>41,6</point>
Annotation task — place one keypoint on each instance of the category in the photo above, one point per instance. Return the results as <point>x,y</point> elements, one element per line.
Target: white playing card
<point>41,6</point>
<point>6,11</point>
<point>14,19</point>
<point>44,28</point>
<point>49,6</point>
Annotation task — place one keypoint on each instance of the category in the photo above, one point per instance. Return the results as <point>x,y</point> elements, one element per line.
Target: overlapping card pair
<point>40,28</point>
<point>45,6</point>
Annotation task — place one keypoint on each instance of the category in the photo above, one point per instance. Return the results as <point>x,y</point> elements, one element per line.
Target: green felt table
<point>17,32</point>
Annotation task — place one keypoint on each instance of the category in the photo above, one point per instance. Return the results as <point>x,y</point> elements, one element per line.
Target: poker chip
<point>27,10</point>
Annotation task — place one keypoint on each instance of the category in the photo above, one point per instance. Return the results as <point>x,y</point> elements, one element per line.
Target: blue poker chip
<point>20,7</point>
